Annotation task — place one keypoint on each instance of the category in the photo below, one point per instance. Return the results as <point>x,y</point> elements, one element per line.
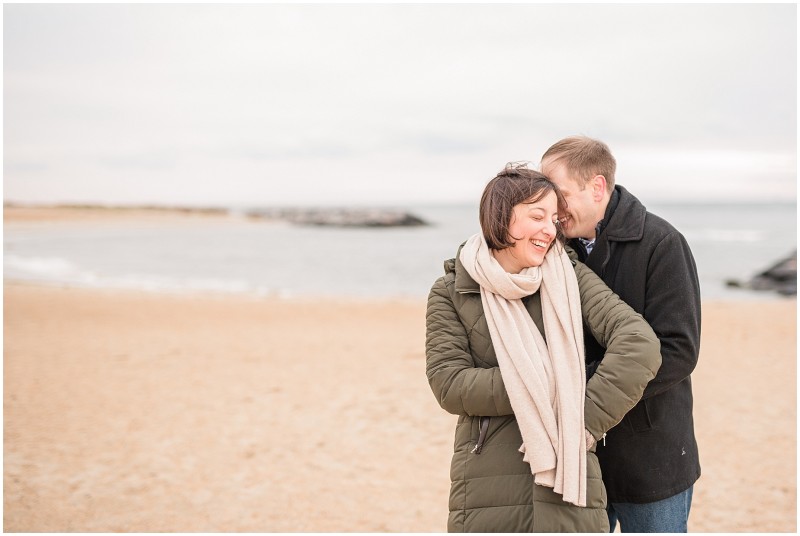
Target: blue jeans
<point>667,515</point>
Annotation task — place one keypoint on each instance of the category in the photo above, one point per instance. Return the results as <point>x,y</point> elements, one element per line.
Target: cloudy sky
<point>391,104</point>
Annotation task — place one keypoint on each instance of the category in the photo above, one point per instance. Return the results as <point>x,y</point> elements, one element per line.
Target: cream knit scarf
<point>546,382</point>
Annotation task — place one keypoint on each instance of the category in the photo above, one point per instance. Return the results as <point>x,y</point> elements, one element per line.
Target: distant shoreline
<point>76,213</point>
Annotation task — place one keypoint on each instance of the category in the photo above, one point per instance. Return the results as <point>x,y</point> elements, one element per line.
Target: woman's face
<point>533,229</point>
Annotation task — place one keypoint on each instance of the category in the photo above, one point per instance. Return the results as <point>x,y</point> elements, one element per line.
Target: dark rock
<point>341,217</point>
<point>781,277</point>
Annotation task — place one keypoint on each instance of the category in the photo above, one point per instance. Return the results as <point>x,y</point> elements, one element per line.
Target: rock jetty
<point>781,277</point>
<point>340,217</point>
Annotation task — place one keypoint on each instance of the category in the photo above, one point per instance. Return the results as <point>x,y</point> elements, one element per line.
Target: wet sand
<point>144,412</point>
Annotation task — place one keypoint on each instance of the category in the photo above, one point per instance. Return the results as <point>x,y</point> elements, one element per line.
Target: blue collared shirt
<point>588,244</point>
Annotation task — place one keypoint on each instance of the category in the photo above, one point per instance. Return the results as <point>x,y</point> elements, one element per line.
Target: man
<point>649,460</point>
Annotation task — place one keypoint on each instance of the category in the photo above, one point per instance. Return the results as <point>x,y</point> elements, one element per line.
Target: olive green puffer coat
<point>492,489</point>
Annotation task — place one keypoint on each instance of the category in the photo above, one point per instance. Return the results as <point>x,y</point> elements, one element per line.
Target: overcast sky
<point>391,104</point>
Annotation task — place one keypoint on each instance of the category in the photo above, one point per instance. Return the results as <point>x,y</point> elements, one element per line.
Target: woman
<point>504,352</point>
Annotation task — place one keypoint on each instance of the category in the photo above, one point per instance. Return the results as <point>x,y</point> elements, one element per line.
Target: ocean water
<point>731,241</point>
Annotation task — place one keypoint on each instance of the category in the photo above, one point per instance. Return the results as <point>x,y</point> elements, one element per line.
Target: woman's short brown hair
<point>515,184</point>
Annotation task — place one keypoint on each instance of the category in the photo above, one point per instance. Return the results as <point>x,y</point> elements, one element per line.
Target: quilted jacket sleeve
<point>459,386</point>
<point>632,358</point>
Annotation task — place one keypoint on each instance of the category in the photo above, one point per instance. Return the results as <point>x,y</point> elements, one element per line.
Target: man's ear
<point>598,187</point>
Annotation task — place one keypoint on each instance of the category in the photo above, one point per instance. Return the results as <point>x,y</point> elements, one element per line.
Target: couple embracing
<point>563,335</point>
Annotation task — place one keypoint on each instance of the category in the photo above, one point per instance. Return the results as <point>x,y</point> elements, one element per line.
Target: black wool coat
<point>652,453</point>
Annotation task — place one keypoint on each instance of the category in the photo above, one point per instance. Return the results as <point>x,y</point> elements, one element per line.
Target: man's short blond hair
<point>584,157</point>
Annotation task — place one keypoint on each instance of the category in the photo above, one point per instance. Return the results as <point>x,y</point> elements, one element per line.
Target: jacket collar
<point>463,282</point>
<point>625,221</point>
<point>610,208</point>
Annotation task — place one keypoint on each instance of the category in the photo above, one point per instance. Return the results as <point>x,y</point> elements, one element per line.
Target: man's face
<point>581,218</point>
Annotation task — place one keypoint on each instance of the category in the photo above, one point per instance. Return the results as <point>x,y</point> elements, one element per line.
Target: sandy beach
<point>140,412</point>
